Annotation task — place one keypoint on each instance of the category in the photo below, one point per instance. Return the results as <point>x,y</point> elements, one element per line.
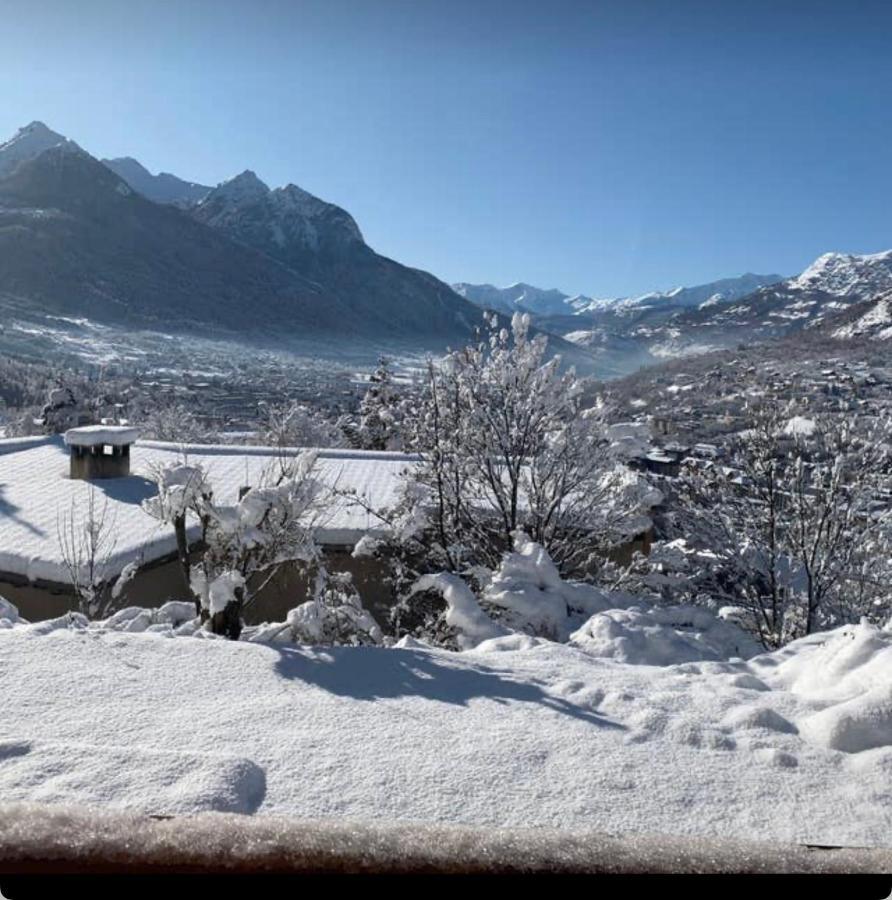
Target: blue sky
<point>603,147</point>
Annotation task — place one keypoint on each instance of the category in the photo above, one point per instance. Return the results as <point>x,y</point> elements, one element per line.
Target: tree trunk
<point>228,621</point>
<point>179,528</point>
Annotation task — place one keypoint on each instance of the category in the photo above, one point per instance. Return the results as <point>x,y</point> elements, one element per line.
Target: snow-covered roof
<point>799,425</point>
<point>100,435</point>
<point>35,491</point>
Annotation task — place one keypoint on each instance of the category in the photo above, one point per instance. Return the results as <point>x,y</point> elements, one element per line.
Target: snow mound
<point>863,723</point>
<point>839,665</point>
<point>749,718</point>
<point>849,672</point>
<point>150,781</point>
<point>661,636</point>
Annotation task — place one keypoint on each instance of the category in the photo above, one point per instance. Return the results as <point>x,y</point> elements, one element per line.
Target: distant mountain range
<point>111,242</point>
<point>626,333</point>
<point>552,302</point>
<point>519,297</point>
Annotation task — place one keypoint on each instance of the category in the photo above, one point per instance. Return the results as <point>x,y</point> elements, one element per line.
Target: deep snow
<point>794,745</point>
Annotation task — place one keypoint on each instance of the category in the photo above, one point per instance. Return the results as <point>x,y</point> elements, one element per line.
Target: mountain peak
<point>842,274</point>
<point>244,184</point>
<point>27,143</point>
<point>128,161</point>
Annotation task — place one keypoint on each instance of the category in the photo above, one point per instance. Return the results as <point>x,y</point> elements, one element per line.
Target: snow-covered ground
<point>791,746</point>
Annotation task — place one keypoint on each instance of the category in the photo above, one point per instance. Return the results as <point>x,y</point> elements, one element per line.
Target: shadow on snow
<point>373,673</point>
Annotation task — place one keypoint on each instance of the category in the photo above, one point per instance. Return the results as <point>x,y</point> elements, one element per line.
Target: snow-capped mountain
<point>626,333</point>
<point>846,275</point>
<point>725,290</point>
<point>521,297</point>
<point>871,320</point>
<point>162,188</point>
<point>28,143</point>
<point>541,302</point>
<point>833,282</point>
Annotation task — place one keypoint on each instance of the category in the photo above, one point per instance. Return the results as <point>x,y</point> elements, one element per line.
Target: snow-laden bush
<point>334,616</point>
<point>464,620</point>
<point>526,593</point>
<point>380,421</point>
<point>527,596</point>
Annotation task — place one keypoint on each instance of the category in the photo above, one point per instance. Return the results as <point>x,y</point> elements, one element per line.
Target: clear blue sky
<point>602,147</point>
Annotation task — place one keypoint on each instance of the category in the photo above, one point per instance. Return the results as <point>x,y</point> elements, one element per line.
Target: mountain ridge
<point>82,240</point>
<point>161,188</point>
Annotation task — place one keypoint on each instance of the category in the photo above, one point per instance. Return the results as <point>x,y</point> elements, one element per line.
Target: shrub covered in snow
<point>527,595</point>
<point>334,616</point>
<point>244,544</point>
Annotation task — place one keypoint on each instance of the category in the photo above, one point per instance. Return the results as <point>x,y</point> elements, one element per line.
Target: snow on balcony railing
<point>56,840</point>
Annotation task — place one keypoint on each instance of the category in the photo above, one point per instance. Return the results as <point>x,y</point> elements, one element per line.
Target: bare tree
<point>173,422</point>
<point>87,539</point>
<point>297,425</point>
<point>505,445</point>
<point>791,527</point>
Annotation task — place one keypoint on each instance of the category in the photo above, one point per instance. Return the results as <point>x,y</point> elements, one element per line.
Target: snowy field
<point>791,746</point>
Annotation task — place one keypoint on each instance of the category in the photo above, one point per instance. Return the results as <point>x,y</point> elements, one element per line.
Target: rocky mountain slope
<point>323,243</point>
<point>77,239</point>
<point>870,320</point>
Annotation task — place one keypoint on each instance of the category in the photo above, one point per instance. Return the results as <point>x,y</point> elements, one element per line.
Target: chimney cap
<point>101,435</point>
